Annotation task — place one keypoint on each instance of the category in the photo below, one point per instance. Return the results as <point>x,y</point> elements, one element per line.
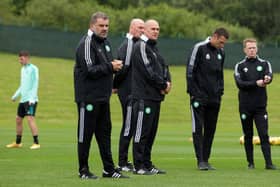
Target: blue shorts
<point>26,109</point>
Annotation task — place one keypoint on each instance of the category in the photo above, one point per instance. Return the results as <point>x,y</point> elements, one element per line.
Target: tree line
<point>262,17</point>
<point>193,19</point>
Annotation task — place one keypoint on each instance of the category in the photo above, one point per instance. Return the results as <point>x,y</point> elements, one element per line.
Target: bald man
<point>122,86</point>
<point>150,83</point>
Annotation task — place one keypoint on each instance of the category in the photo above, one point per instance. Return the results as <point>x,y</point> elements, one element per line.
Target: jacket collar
<point>93,35</point>
<point>144,38</point>
<point>89,33</point>
<point>208,39</point>
<point>252,59</point>
<point>129,36</point>
<point>147,40</point>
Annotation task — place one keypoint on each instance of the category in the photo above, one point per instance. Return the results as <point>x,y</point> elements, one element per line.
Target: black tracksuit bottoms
<point>126,131</point>
<point>147,118</point>
<point>204,122</point>
<point>259,115</point>
<point>94,118</point>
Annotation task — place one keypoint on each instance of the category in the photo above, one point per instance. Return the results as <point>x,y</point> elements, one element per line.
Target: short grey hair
<point>97,15</point>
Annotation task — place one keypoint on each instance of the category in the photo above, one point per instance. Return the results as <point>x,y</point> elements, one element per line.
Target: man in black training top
<point>205,85</point>
<point>93,80</point>
<point>252,75</point>
<point>122,85</point>
<point>150,82</point>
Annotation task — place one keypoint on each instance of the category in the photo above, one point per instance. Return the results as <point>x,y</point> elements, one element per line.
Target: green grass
<point>55,164</point>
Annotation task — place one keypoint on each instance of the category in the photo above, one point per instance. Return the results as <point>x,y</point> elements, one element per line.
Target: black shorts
<point>25,109</point>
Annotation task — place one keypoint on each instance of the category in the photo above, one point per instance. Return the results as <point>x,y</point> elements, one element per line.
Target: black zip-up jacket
<point>205,78</point>
<point>93,71</point>
<point>149,71</point>
<point>122,79</point>
<point>246,73</point>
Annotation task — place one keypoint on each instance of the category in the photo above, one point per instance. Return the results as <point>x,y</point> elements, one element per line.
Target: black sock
<point>35,138</point>
<point>18,139</point>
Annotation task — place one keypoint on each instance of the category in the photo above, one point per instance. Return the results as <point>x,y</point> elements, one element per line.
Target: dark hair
<point>222,32</point>
<point>97,15</point>
<point>23,53</point>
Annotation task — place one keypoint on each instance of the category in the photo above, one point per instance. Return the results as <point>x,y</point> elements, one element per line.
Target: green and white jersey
<point>29,82</point>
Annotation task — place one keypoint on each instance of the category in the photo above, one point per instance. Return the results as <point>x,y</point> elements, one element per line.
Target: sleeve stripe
<point>145,58</point>
<point>268,63</point>
<point>193,57</point>
<point>194,52</point>
<point>236,73</point>
<point>143,53</point>
<point>269,67</point>
<point>128,52</point>
<point>87,51</point>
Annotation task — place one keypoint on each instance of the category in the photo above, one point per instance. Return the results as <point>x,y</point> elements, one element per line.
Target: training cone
<point>256,140</point>
<point>241,140</point>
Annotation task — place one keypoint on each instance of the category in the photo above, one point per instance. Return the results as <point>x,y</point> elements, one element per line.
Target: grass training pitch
<point>55,164</point>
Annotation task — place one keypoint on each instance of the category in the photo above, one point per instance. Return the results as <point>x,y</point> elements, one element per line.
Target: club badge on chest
<point>207,56</point>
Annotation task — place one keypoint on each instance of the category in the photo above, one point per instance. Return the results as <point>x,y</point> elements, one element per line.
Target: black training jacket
<point>93,71</point>
<point>205,78</point>
<point>149,71</point>
<point>122,79</point>
<point>246,73</point>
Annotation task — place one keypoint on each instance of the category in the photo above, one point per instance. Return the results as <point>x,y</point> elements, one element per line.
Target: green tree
<point>119,4</point>
<point>19,6</point>
<point>260,16</point>
<point>74,15</point>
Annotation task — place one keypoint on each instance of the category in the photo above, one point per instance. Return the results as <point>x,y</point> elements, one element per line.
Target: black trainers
<point>202,166</point>
<point>86,174</point>
<point>128,167</point>
<point>270,167</point>
<point>142,172</point>
<point>114,174</point>
<point>251,166</point>
<point>155,170</point>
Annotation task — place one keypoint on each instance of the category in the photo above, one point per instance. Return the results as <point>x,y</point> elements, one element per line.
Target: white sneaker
<point>35,146</point>
<point>14,145</point>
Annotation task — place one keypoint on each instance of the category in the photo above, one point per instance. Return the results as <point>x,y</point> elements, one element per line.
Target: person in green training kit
<point>28,90</point>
